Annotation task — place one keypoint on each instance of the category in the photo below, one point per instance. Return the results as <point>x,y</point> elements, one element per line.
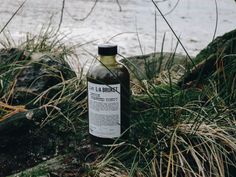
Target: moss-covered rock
<point>24,76</point>
<point>216,63</point>
<point>216,57</point>
<point>147,67</point>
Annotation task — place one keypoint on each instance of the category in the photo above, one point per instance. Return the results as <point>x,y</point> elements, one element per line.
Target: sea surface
<point>130,24</point>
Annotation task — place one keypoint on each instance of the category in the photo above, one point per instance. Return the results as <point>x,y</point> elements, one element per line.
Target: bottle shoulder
<point>113,73</point>
<point>99,68</point>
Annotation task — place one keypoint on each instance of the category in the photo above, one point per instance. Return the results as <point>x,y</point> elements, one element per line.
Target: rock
<point>38,76</point>
<point>216,57</point>
<point>20,122</point>
<point>147,67</point>
<point>27,76</point>
<point>155,68</point>
<point>43,168</point>
<point>217,62</point>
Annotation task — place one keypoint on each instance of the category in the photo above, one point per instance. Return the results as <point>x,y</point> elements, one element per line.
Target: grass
<point>175,136</point>
<point>174,131</point>
<point>36,173</point>
<point>40,59</point>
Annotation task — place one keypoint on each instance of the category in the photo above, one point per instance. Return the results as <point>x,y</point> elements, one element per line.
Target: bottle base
<point>106,142</point>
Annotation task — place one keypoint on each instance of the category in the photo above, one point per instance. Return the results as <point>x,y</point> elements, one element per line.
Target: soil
<point>29,149</point>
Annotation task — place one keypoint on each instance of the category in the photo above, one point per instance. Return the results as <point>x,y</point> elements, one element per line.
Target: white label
<point>104,110</point>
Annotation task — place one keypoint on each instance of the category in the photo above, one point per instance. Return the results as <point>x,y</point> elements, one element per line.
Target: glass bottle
<point>108,84</point>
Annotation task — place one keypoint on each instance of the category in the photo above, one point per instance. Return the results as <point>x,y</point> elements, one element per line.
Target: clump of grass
<point>61,104</point>
<point>176,151</point>
<point>175,131</point>
<point>63,100</point>
<point>68,103</point>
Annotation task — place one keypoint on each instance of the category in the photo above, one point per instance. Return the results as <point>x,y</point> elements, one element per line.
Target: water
<point>193,21</point>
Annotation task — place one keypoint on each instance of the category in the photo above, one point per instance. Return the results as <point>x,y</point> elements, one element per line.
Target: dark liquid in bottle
<point>109,75</point>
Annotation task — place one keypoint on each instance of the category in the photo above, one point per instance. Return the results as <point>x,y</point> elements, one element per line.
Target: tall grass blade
<point>12,16</point>
<point>189,57</point>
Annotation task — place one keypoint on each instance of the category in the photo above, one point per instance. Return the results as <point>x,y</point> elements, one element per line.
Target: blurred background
<point>125,22</point>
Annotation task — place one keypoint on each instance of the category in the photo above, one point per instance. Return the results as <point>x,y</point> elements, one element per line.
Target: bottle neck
<point>108,60</point>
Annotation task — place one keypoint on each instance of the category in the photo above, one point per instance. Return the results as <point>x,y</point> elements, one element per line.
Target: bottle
<point>108,86</point>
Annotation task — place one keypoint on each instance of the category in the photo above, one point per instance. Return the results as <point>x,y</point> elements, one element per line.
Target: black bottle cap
<point>107,49</point>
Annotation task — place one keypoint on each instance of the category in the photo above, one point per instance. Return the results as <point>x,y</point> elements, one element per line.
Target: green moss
<point>220,44</point>
<point>40,172</point>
